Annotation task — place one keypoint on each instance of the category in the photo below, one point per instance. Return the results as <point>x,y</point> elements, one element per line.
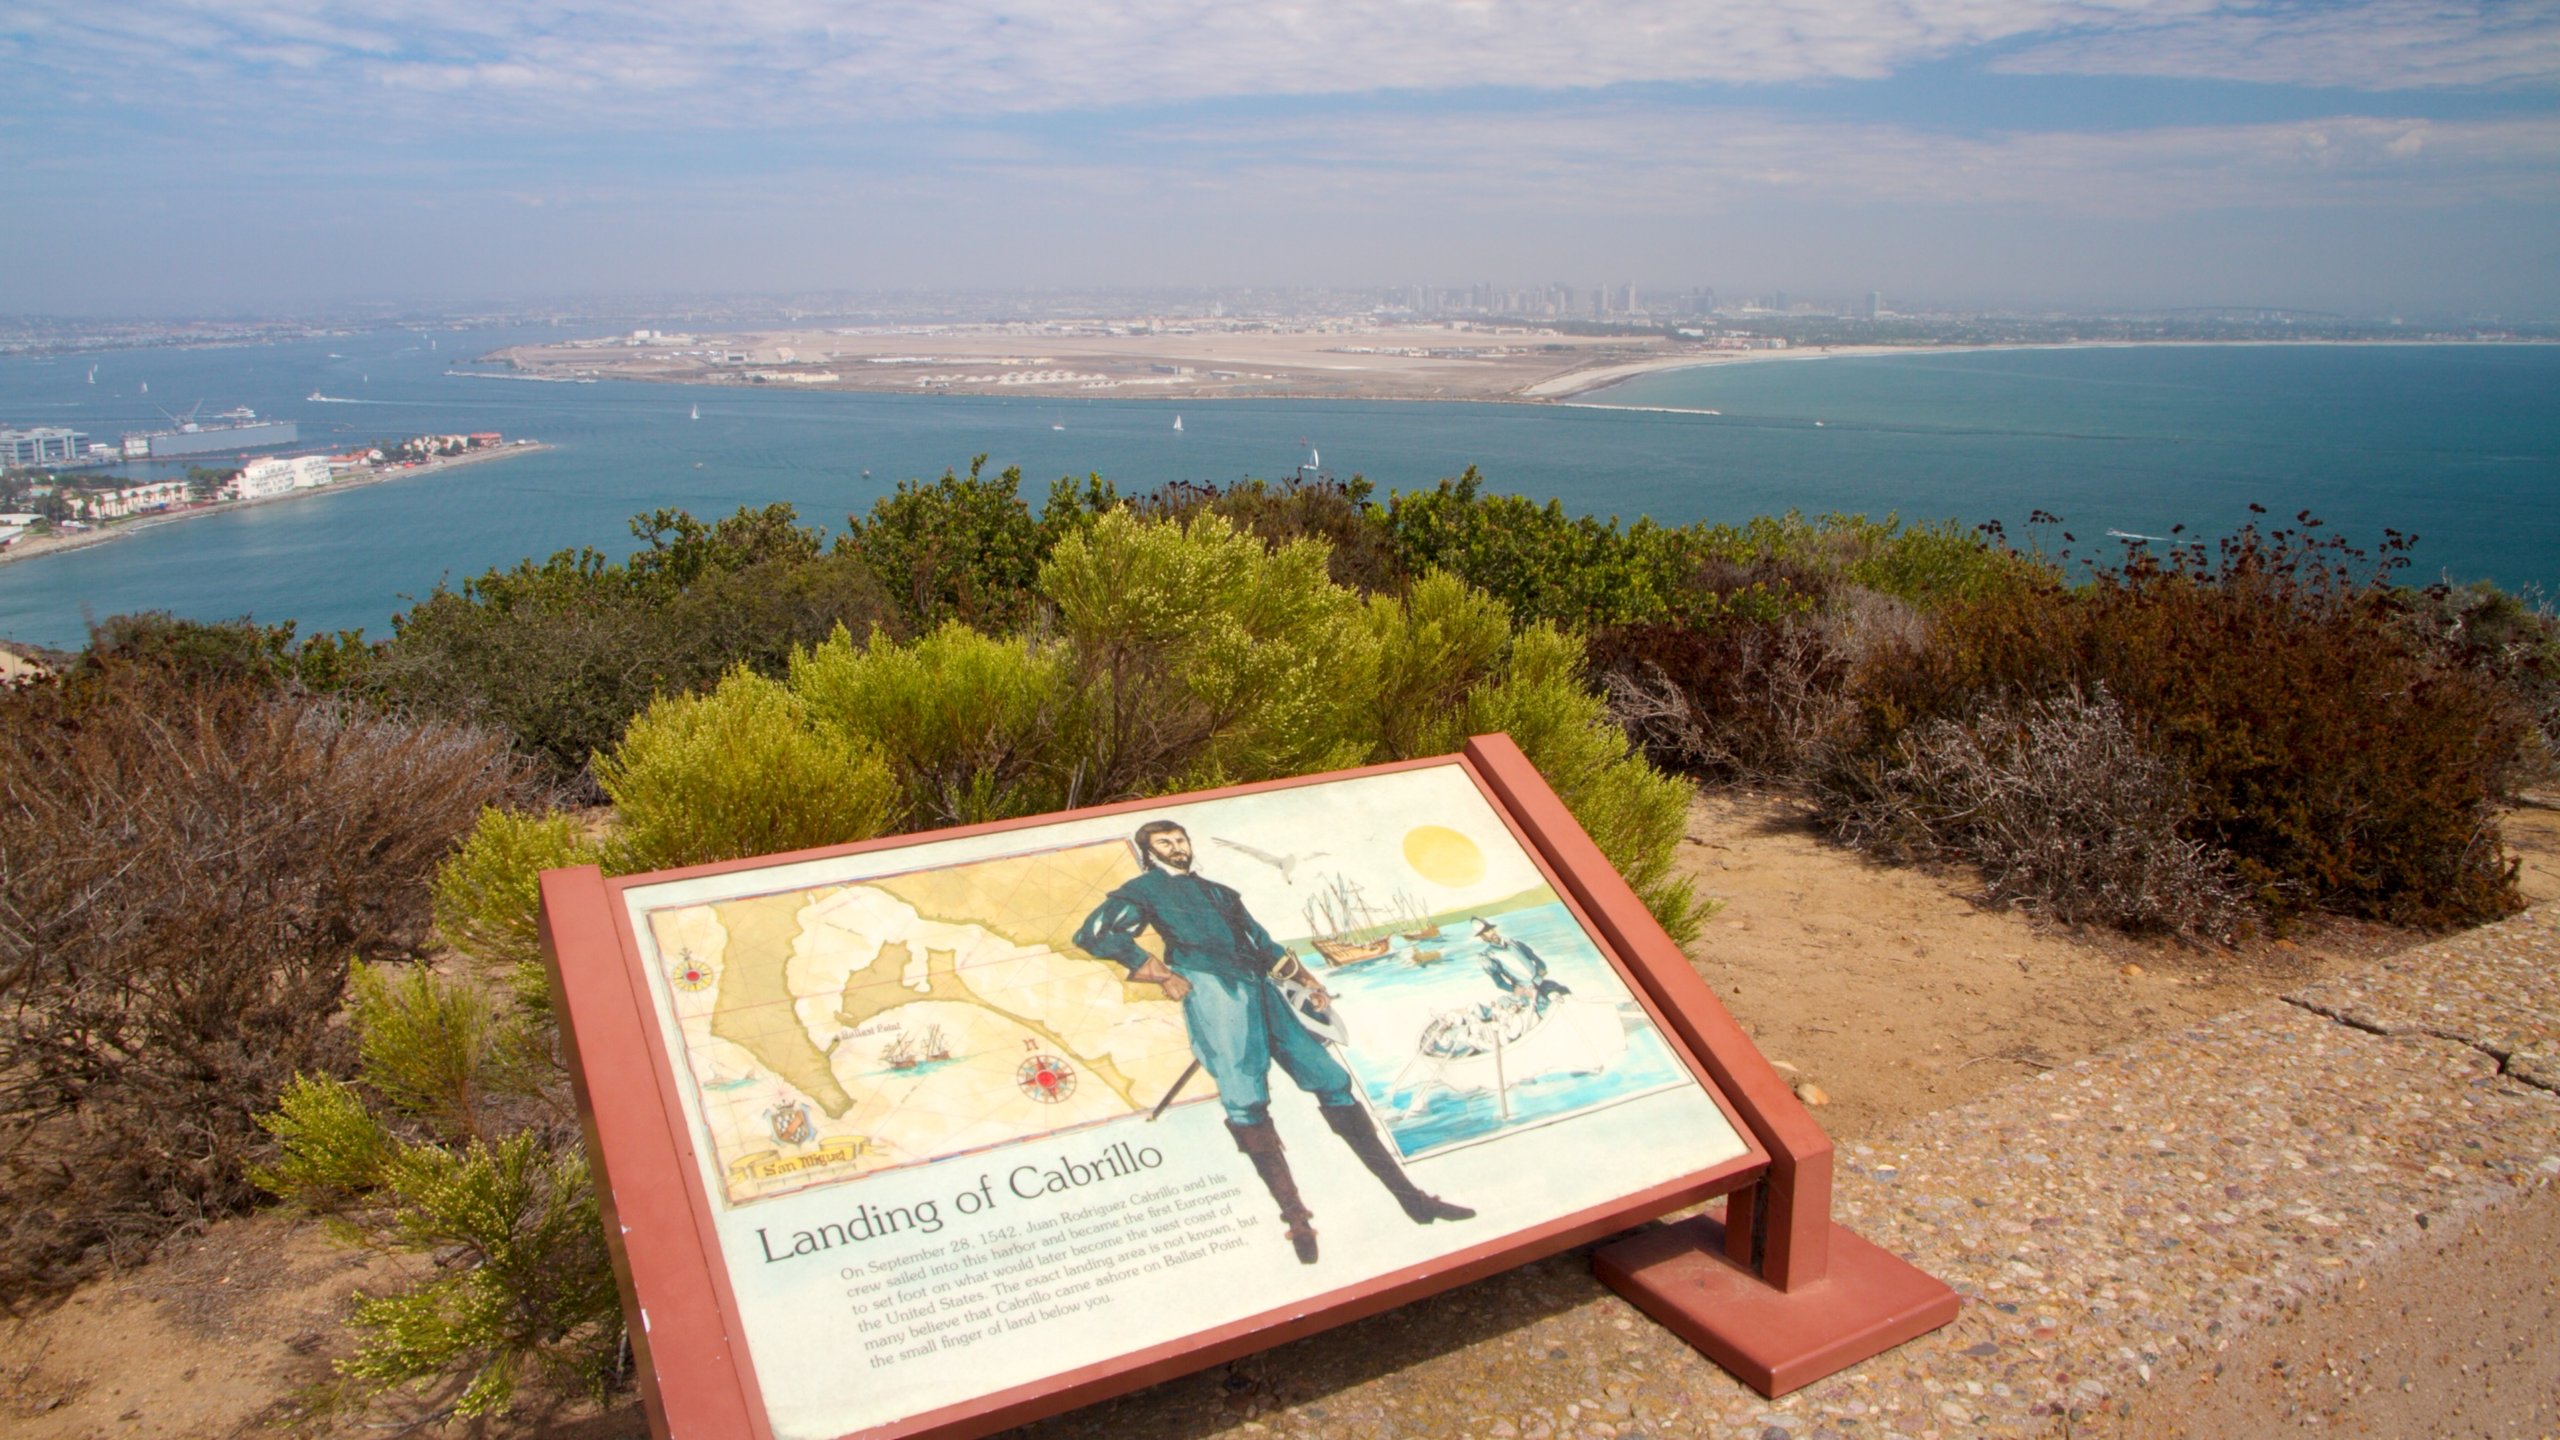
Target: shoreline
<point>37,547</point>
<point>1569,387</point>
<point>1573,387</point>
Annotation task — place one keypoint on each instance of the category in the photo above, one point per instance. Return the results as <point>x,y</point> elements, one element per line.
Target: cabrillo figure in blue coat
<point>1219,962</point>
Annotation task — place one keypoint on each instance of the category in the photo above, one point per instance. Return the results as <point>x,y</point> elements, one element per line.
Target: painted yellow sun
<point>1443,856</point>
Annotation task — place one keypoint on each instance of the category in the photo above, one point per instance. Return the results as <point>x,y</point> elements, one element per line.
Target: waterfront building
<point>43,445</point>
<point>130,500</point>
<point>279,476</point>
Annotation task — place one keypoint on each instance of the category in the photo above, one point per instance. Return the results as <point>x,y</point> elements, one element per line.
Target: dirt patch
<point>1892,995</point>
<point>1884,989</point>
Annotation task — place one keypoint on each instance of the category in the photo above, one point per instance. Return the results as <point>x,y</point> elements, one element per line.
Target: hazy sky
<point>209,154</point>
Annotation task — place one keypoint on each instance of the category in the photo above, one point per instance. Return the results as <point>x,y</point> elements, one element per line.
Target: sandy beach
<point>1520,364</point>
<point>37,546</point>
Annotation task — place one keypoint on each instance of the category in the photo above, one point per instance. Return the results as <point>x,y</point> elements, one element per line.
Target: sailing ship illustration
<point>1412,921</point>
<point>1341,924</point>
<point>907,1052</point>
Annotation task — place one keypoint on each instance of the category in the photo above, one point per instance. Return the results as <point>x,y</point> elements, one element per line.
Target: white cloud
<point>760,61</point>
<point>2374,45</point>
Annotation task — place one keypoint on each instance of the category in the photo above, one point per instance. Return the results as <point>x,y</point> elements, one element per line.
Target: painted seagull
<point>1287,865</point>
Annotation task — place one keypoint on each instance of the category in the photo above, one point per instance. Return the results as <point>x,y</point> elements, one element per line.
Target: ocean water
<point>2458,444</point>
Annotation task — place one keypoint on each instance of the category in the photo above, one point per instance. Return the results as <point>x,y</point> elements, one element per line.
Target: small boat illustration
<point>1498,1047</point>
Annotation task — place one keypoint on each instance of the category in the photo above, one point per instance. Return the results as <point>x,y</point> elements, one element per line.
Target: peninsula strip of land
<point>1338,359</point>
<point>31,546</point>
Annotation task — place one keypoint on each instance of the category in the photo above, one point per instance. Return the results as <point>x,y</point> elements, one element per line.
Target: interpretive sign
<point>938,1134</point>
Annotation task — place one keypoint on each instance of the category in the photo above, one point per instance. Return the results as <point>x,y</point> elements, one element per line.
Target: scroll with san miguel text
<point>934,1135</point>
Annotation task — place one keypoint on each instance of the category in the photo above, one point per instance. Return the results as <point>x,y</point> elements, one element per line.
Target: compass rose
<point>691,974</point>
<point>1046,1078</point>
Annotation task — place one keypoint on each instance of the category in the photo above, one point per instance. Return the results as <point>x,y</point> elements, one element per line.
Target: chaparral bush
<point>2066,808</point>
<point>186,869</point>
<point>1360,548</point>
<point>969,548</point>
<point>2511,640</point>
<point>975,728</point>
<point>1209,657</point>
<point>739,771</point>
<point>2340,764</point>
<point>563,653</point>
<point>455,1141</point>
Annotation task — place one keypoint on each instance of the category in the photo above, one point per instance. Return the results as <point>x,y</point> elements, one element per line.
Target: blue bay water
<point>2459,444</point>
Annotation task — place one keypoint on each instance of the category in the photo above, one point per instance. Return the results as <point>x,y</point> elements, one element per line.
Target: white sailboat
<point>697,412</point>
<point>93,379</point>
<point>1177,424</point>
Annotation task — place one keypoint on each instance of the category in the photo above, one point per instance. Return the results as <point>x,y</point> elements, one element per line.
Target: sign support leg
<point>1810,1298</point>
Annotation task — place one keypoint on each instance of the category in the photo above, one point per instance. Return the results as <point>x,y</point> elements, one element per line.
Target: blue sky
<point>212,154</point>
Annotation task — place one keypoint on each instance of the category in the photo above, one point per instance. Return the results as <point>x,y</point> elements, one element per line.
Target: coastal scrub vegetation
<point>190,856</point>
<point>2198,741</point>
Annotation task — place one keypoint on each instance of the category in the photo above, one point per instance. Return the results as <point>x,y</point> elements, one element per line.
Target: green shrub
<point>737,772</point>
<point>522,1282</point>
<point>1436,645</point>
<point>969,548</point>
<point>1361,550</point>
<point>1635,813</point>
<point>1539,561</point>
<point>1209,657</point>
<point>564,652</point>
<point>527,1288</point>
<point>435,1050</point>
<point>200,653</point>
<point>974,728</point>
<point>488,896</point>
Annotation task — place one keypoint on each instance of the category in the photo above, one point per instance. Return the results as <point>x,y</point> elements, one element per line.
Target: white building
<point>279,475</point>
<point>131,500</point>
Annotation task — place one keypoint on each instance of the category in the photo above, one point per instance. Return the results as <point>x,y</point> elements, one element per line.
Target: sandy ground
<point>1327,361</point>
<point>1455,360</point>
<point>1884,990</point>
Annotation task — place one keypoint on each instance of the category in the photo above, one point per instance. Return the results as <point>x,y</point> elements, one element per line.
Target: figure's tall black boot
<point>1358,1131</point>
<point>1261,1145</point>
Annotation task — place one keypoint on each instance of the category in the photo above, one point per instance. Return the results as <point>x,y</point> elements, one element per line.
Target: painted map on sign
<point>843,1030</point>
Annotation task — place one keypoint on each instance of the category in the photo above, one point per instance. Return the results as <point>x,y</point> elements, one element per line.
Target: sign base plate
<point>1868,1301</point>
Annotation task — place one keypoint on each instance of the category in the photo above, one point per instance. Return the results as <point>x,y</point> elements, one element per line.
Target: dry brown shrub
<point>1755,700</point>
<point>185,872</point>
<point>2064,805</point>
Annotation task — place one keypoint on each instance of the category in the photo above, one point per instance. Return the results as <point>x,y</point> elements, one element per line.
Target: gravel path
<point>2339,1193</point>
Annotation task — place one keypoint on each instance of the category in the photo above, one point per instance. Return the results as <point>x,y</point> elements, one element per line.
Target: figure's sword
<point>1179,1081</point>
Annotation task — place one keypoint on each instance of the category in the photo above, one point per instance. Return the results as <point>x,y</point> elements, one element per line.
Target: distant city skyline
<point>224,156</point>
